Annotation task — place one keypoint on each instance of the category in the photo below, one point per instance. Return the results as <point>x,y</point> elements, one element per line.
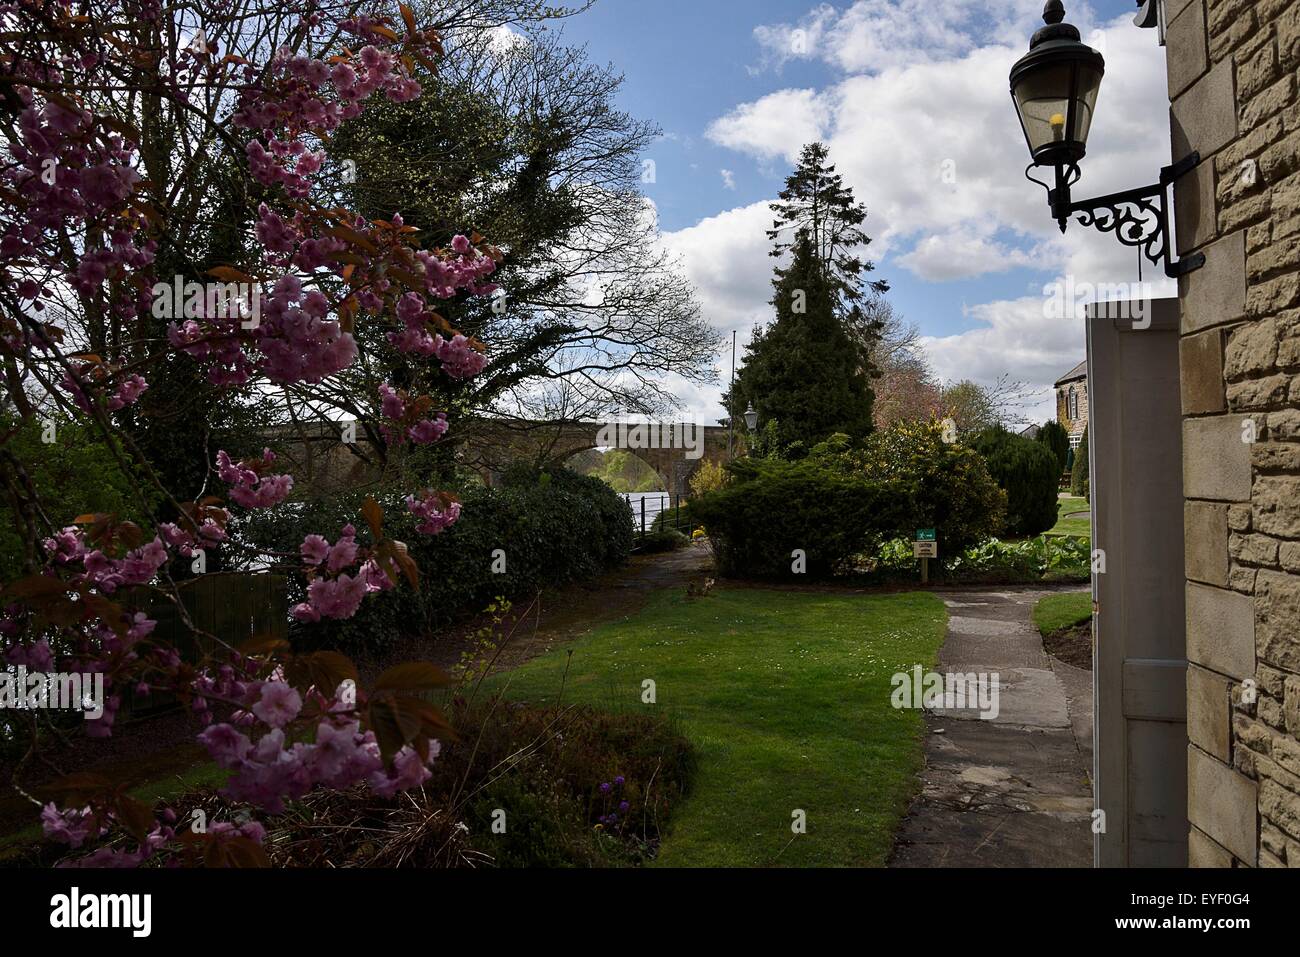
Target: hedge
<point>1028,472</point>
<point>840,504</point>
<point>554,528</point>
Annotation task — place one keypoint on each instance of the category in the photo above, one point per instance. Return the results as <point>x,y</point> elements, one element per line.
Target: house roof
<point>1078,372</point>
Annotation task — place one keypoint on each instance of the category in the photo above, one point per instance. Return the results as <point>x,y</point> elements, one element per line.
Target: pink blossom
<point>278,705</point>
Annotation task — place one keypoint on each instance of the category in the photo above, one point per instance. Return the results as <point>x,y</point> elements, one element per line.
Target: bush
<point>1079,473</point>
<point>946,485</point>
<point>1053,435</point>
<point>709,477</point>
<point>1047,557</point>
<point>544,768</point>
<point>841,503</point>
<point>553,527</point>
<point>1027,471</point>
<point>663,540</point>
<point>777,508</point>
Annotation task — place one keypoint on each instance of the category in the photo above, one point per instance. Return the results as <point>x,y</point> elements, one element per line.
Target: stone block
<point>1208,711</point>
<point>1205,542</point>
<point>1215,293</point>
<point>1204,117</point>
<point>1222,803</point>
<point>1221,630</point>
<point>1216,462</point>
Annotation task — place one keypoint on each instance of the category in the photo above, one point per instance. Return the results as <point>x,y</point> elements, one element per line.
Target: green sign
<point>925,535</point>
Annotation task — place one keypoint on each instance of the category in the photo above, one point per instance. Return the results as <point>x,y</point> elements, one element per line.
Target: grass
<point>786,699</point>
<point>1061,611</point>
<point>1071,526</point>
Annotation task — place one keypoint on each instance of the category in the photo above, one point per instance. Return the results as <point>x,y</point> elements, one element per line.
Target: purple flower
<point>604,788</point>
<point>619,780</point>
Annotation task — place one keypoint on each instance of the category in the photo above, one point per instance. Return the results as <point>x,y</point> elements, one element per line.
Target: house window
<point>1073,406</point>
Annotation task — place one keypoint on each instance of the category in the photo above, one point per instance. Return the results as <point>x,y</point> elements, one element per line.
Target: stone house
<point>1232,72</point>
<point>1072,402</point>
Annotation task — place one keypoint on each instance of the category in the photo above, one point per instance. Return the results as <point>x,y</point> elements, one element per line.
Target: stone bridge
<point>320,458</point>
<point>674,450</point>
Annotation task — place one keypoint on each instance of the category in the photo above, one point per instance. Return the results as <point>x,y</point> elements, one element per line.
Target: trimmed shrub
<point>553,527</point>
<point>1027,471</point>
<point>840,504</point>
<point>1079,473</point>
<point>775,508</point>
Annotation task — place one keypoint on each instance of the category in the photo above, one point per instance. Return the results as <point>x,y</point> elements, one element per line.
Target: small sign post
<point>925,547</point>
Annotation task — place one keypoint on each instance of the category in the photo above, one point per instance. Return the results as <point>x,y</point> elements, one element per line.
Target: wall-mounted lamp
<point>1054,87</point>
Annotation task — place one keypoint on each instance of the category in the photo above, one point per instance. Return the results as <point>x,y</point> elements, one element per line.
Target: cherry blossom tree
<point>129,125</point>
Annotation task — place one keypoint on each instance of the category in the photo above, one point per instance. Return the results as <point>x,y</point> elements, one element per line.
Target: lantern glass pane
<point>1043,99</point>
<point>1085,101</point>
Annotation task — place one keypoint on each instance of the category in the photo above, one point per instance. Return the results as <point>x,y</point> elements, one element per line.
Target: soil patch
<point>1072,645</point>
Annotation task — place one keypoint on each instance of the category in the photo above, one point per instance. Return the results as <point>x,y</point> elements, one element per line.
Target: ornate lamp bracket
<point>1138,217</point>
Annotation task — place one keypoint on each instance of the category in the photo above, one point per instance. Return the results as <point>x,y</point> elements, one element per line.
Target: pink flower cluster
<point>293,99</point>
<point>297,342</point>
<point>333,593</point>
<point>138,567</point>
<point>436,512</point>
<point>458,357</point>
<point>128,390</point>
<point>394,409</point>
<point>268,772</point>
<point>248,487</point>
<point>70,826</point>
<point>211,532</point>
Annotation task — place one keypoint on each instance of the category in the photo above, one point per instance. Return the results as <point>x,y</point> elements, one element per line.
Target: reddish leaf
<point>374,516</point>
<point>135,816</point>
<point>230,274</point>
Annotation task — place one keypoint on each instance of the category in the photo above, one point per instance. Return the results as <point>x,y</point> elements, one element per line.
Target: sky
<point>912,98</point>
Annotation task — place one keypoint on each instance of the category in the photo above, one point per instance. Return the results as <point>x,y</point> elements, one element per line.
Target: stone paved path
<point>1013,791</point>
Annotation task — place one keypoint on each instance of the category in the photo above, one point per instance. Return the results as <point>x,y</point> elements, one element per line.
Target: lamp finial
<point>1053,11</point>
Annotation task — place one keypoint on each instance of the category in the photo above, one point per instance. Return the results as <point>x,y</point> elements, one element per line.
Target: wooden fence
<point>233,606</point>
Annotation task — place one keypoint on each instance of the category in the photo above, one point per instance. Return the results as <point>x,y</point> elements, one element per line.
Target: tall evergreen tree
<point>803,373</point>
<point>809,371</point>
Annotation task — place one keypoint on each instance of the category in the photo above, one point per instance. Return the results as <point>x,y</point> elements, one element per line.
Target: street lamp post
<point>1054,87</point>
<point>751,417</point>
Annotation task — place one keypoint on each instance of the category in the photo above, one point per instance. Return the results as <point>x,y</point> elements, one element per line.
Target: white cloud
<point>962,252</point>
<point>768,127</point>
<point>728,179</point>
<point>726,258</point>
<point>874,35</point>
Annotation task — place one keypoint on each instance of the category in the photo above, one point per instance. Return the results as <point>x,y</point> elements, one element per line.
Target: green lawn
<point>1071,526</point>
<point>1061,611</point>
<point>786,697</point>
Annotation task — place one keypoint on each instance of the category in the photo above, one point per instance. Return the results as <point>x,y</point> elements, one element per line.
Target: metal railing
<point>647,511</point>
